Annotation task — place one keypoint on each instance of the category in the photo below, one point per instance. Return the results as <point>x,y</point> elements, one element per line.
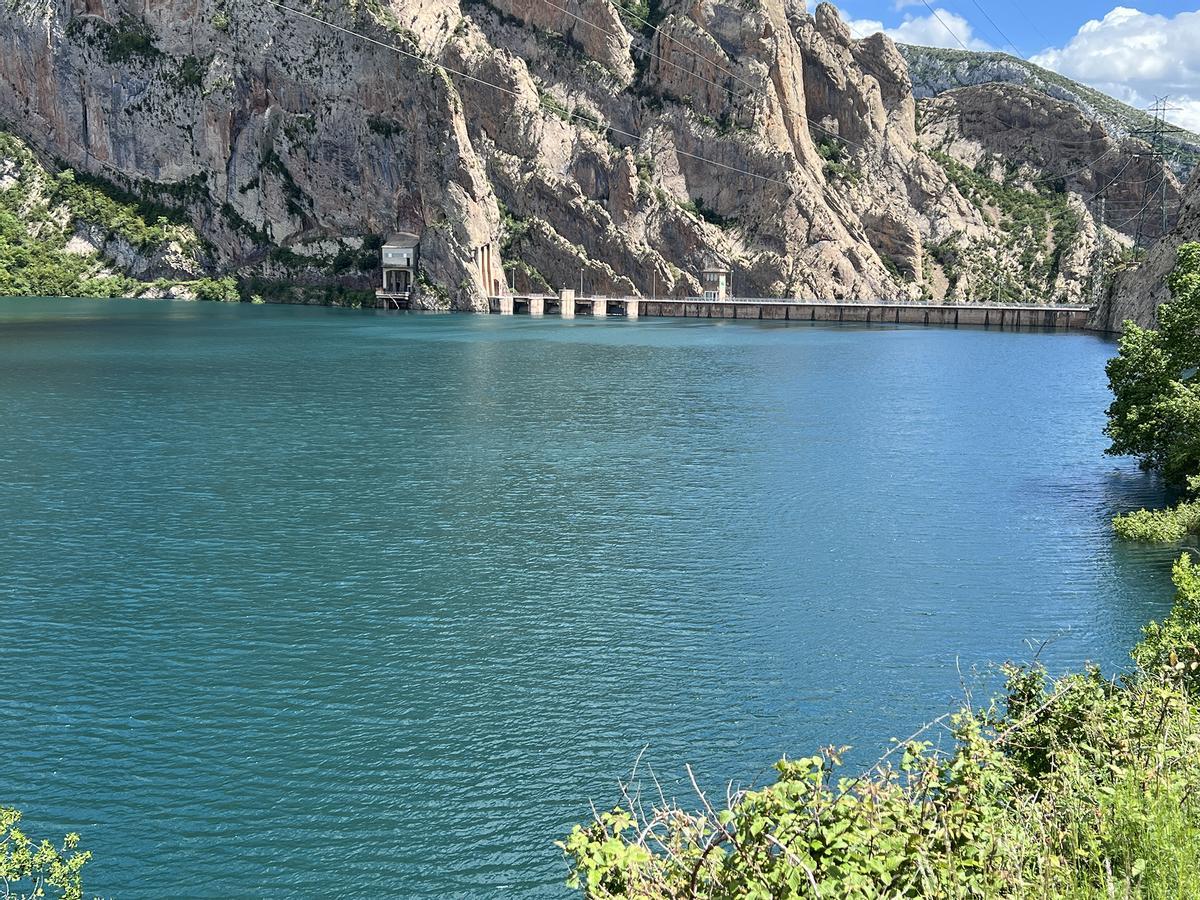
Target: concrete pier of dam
<point>567,304</point>
<point>399,262</point>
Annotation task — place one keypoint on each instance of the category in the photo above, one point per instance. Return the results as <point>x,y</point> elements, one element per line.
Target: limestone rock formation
<point>938,70</point>
<point>1139,291</point>
<point>1052,141</point>
<point>1050,175</point>
<point>532,143</point>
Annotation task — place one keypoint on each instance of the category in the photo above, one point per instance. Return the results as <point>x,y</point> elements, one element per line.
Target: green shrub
<point>191,72</point>
<point>590,120</point>
<point>513,229</point>
<point>699,208</point>
<point>638,8</point>
<point>1170,648</point>
<point>130,39</point>
<point>1159,525</point>
<point>274,290</point>
<point>837,162</point>
<point>217,289</point>
<point>552,103</point>
<point>384,127</point>
<point>532,279</point>
<point>1076,787</point>
<point>30,868</point>
<point>107,286</point>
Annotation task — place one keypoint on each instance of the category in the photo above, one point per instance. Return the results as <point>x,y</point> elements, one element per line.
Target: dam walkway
<point>568,305</point>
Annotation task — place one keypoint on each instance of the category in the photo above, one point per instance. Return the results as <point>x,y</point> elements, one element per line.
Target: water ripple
<point>308,601</point>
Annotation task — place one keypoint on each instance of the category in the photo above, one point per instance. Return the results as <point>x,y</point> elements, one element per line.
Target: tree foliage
<point>1077,787</point>
<point>38,213</point>
<point>1163,526</point>
<point>1155,415</point>
<point>30,869</point>
<point>36,265</point>
<point>219,289</point>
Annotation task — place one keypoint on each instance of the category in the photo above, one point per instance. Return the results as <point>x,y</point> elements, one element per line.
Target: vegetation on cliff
<point>1039,224</point>
<point>54,225</point>
<point>32,265</point>
<point>63,234</point>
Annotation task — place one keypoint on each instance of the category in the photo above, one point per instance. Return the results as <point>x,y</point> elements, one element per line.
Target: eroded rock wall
<point>1139,291</point>
<point>558,137</point>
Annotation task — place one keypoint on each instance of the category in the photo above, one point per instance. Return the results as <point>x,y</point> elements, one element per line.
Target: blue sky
<point>1134,52</point>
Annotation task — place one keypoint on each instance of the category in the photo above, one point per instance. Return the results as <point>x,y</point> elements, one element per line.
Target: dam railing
<point>899,312</point>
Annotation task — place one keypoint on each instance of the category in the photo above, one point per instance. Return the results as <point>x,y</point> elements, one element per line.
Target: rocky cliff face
<point>1051,176</point>
<point>263,127</point>
<point>1031,140</point>
<point>1138,291</point>
<point>537,141</point>
<point>935,71</point>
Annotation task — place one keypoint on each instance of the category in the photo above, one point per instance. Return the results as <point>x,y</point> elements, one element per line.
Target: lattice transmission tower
<point>1155,136</point>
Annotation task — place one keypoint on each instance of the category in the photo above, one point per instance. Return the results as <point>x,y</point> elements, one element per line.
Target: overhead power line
<point>1174,204</point>
<point>1100,266</point>
<point>1136,217</point>
<point>1114,180</point>
<point>1032,21</point>
<point>1078,171</point>
<point>758,90</point>
<point>753,87</point>
<point>655,29</point>
<point>949,30</point>
<point>998,29</point>
<point>963,44</point>
<point>509,91</point>
<point>1156,135</point>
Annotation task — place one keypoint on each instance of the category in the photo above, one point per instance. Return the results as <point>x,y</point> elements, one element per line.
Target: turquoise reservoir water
<point>305,602</point>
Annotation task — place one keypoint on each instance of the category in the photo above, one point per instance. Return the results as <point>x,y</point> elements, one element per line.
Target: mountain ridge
<point>533,143</point>
<point>936,70</point>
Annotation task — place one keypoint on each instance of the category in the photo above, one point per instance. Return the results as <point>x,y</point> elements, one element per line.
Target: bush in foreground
<point>1077,787</point>
<point>30,868</point>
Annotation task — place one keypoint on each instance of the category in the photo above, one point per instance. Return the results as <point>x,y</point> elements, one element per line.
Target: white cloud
<point>1135,57</point>
<point>945,29</point>
<point>1188,114</point>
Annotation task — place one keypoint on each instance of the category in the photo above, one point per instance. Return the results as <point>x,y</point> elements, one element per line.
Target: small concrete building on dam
<point>399,258</point>
<point>714,280</point>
